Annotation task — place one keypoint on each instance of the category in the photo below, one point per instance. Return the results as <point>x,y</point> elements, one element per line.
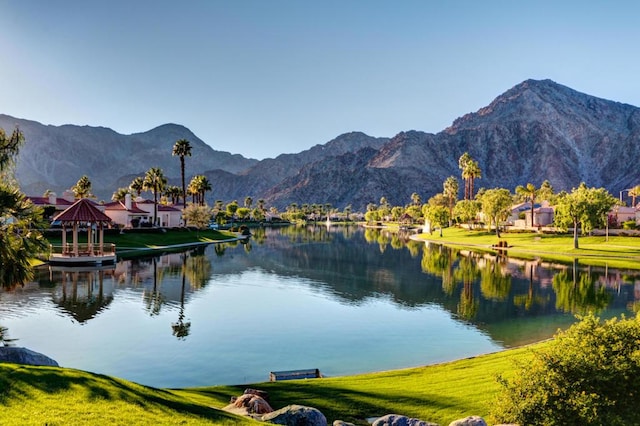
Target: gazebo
<point>83,213</point>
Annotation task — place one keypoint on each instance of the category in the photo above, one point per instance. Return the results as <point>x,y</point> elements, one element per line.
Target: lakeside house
<point>139,213</point>
<point>129,214</point>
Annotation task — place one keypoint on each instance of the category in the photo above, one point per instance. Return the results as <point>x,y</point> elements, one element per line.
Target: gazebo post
<point>101,239</point>
<point>64,238</point>
<point>90,238</point>
<point>75,238</point>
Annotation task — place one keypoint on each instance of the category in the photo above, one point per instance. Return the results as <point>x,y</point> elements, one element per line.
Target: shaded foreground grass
<point>438,393</point>
<point>616,251</point>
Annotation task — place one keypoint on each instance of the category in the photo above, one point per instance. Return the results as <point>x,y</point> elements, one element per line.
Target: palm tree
<point>82,188</point>
<point>634,192</point>
<point>415,199</point>
<point>528,193</point>
<point>182,148</point>
<point>473,172</point>
<point>173,193</point>
<point>198,186</point>
<point>20,220</point>
<point>120,194</point>
<point>463,164</point>
<point>137,186</point>
<point>248,201</point>
<point>155,182</point>
<point>450,189</point>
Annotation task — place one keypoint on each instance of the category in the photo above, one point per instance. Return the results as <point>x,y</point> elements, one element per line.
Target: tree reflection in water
<point>578,291</point>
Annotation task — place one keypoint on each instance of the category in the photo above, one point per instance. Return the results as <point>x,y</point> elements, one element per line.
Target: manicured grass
<point>133,240</point>
<point>618,251</point>
<point>56,396</point>
<point>439,393</point>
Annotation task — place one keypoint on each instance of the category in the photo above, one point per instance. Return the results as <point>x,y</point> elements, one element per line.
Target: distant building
<point>139,213</point>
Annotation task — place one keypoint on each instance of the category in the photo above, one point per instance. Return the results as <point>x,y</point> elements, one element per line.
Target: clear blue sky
<point>262,77</point>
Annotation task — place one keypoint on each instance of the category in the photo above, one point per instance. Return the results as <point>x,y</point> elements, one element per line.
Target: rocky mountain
<point>536,130</point>
<point>55,157</point>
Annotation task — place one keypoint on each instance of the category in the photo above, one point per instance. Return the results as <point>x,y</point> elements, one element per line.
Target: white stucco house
<point>138,213</point>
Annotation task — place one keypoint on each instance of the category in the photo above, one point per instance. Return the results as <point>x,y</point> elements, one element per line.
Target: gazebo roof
<point>83,210</point>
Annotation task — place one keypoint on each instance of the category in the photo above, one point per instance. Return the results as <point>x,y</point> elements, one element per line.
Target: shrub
<point>588,375</point>
<point>629,224</point>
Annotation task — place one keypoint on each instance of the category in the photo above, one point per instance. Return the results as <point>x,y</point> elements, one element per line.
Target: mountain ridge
<point>536,130</point>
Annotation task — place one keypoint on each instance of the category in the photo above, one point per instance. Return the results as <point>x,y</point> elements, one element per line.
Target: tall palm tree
<point>473,172</point>
<point>182,148</point>
<point>528,193</point>
<point>450,189</point>
<point>155,181</point>
<point>248,201</point>
<point>463,165</point>
<point>137,186</point>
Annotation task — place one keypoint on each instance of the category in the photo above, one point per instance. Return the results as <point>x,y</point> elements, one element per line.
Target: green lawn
<point>618,251</point>
<point>147,240</point>
<point>439,393</point>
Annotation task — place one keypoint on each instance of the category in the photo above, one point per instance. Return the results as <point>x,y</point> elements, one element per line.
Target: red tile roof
<point>83,210</point>
<point>119,205</point>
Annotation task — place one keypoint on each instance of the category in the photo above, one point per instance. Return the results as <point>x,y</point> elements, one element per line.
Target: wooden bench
<point>313,373</point>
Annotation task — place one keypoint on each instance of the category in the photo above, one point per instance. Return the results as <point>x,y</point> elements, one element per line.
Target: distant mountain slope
<point>55,157</point>
<point>534,131</point>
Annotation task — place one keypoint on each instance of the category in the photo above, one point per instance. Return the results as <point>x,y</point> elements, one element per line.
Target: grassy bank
<point>614,251</point>
<point>439,393</point>
<point>146,240</point>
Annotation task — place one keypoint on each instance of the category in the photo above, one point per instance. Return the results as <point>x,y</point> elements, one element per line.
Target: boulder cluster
<point>255,403</point>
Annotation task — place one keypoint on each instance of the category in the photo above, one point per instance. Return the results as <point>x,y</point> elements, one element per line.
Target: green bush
<point>629,224</point>
<point>589,375</point>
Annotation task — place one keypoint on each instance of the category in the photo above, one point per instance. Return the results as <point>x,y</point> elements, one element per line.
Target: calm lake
<point>344,300</point>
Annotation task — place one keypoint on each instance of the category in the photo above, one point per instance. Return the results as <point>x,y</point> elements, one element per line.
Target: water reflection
<point>360,281</point>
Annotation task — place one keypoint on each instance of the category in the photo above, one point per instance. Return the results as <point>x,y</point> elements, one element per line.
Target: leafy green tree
<point>155,182</point>
<point>496,205</point>
<point>528,194</point>
<point>466,211</point>
<point>243,212</point>
<point>231,210</point>
<point>82,188</point>
<point>438,216</point>
<point>196,215</point>
<point>396,213</point>
<point>587,375</point>
<point>584,206</point>
<point>182,148</point>
<point>20,221</point>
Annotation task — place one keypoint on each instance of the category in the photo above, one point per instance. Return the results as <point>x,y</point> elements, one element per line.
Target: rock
<point>254,404</point>
<point>469,421</point>
<point>296,415</point>
<point>342,423</point>
<point>262,394</point>
<point>25,356</point>
<point>398,420</point>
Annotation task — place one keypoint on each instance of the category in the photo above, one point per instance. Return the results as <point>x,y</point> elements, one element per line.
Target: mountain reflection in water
<point>341,298</point>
